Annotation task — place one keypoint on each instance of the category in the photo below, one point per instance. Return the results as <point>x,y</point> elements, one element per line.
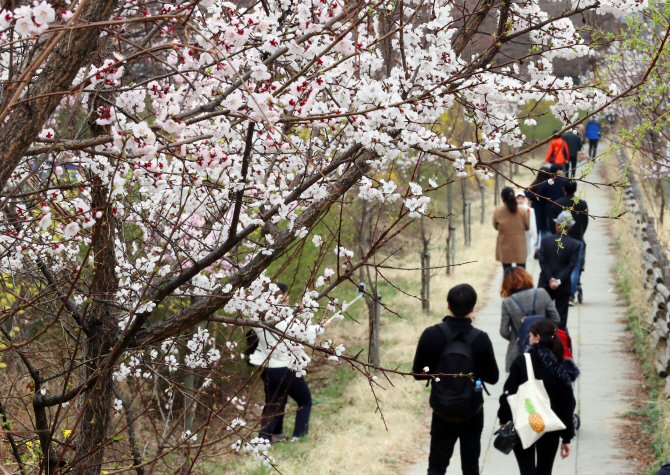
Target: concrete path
<point>602,390</point>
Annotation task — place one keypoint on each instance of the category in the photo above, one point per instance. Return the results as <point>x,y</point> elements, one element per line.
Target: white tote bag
<point>531,409</point>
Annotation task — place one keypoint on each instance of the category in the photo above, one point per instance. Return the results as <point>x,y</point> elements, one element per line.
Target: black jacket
<point>560,393</point>
<point>558,262</point>
<point>574,142</point>
<point>665,470</point>
<point>579,213</point>
<point>544,207</point>
<point>432,343</point>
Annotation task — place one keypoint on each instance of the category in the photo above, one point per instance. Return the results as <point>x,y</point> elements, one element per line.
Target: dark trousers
<point>562,300</point>
<point>571,166</point>
<point>545,449</point>
<point>507,266</point>
<point>593,148</point>
<point>281,383</point>
<point>443,437</point>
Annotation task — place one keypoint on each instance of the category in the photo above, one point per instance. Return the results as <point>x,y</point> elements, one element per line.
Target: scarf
<point>567,371</point>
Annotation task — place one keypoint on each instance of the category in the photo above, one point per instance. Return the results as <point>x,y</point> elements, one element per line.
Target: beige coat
<point>511,244</point>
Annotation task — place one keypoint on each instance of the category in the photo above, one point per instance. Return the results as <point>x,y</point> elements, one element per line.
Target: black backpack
<point>455,396</point>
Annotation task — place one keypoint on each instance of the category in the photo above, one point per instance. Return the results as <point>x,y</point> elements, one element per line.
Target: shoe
<point>572,302</point>
<point>277,438</point>
<point>295,439</point>
<point>536,256</point>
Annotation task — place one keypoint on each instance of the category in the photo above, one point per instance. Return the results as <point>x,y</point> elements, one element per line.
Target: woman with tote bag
<point>539,398</point>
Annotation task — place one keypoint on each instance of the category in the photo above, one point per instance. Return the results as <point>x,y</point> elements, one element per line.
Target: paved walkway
<point>602,389</point>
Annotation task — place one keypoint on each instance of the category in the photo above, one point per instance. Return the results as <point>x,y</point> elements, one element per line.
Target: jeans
<point>545,448</point>
<point>593,148</point>
<point>507,266</point>
<point>571,166</point>
<point>443,437</point>
<point>280,383</point>
<point>574,277</point>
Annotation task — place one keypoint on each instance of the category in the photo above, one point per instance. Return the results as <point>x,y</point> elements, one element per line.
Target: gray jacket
<point>512,315</point>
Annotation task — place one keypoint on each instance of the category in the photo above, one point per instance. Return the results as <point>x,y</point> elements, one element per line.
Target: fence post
<point>425,281</point>
<point>378,313</point>
<point>481,189</point>
<point>496,191</point>
<point>466,222</point>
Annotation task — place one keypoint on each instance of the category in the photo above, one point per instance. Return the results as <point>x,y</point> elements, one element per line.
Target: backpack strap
<point>525,312</point>
<point>472,336</point>
<point>448,334</point>
<point>534,300</point>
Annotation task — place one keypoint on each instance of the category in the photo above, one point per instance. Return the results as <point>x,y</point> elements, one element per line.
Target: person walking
<point>531,234</point>
<point>579,209</point>
<point>574,143</point>
<point>279,381</point>
<point>558,257</point>
<point>511,224</point>
<point>557,374</point>
<point>552,192</point>
<point>592,134</point>
<point>456,342</point>
<point>520,297</point>
<point>535,195</point>
<point>558,151</point>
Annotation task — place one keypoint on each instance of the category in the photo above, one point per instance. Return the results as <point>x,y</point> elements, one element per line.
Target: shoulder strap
<point>521,306</point>
<point>534,300</point>
<point>529,367</point>
<point>447,332</point>
<point>472,336</point>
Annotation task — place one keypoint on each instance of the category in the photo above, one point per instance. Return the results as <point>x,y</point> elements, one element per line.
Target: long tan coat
<point>511,244</point>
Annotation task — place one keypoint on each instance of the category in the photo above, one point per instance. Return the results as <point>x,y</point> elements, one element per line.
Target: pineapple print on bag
<point>535,420</point>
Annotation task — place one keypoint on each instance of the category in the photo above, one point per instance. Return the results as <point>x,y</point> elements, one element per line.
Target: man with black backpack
<point>456,347</point>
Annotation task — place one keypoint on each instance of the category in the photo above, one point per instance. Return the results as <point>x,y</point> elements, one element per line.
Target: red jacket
<point>558,151</point>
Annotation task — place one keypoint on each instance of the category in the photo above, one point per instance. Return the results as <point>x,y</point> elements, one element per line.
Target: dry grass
<point>347,435</point>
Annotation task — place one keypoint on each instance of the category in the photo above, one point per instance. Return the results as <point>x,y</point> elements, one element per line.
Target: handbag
<point>506,438</point>
<point>531,409</point>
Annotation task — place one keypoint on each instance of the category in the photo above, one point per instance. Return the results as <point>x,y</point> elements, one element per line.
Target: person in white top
<point>279,380</point>
<point>531,234</point>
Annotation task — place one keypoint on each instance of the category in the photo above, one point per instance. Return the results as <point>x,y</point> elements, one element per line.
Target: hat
<point>520,193</point>
<point>565,217</point>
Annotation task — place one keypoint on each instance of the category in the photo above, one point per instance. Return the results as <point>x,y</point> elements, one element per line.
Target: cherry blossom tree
<point>157,158</point>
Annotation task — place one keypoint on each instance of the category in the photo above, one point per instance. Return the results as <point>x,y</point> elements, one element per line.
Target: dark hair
<point>461,299</point>
<point>555,168</point>
<point>515,278</point>
<point>509,198</point>
<point>542,176</point>
<point>555,132</point>
<point>282,287</point>
<point>570,187</point>
<point>548,332</point>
